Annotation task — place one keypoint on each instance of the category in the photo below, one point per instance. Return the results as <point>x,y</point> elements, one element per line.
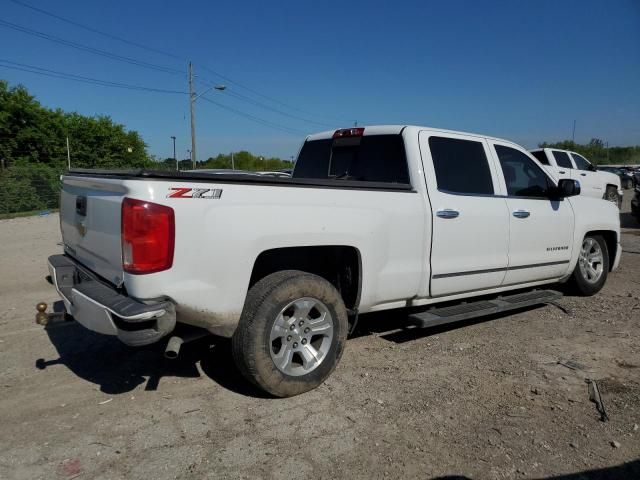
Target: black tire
<point>579,281</point>
<point>251,342</point>
<point>611,195</point>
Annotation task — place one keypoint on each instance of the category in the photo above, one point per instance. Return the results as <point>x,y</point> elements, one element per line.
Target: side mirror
<point>593,168</point>
<point>567,188</point>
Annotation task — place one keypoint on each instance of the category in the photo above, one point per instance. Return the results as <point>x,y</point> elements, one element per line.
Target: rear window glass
<point>541,157</point>
<point>461,166</point>
<point>562,159</point>
<point>372,158</point>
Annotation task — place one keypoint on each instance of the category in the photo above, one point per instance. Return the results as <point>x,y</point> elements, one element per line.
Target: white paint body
<point>401,242</point>
<point>593,182</point>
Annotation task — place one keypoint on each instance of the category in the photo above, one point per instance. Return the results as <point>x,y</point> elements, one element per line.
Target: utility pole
<point>233,165</point>
<point>68,154</point>
<point>174,152</point>
<point>192,105</point>
<point>573,135</point>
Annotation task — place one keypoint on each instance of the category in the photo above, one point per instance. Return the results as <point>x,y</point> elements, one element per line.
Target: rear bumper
<point>102,309</point>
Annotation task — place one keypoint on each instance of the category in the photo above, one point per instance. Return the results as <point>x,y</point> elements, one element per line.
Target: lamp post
<point>192,102</point>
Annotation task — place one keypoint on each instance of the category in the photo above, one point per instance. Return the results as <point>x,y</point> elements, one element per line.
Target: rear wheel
<point>592,268</point>
<point>291,333</point>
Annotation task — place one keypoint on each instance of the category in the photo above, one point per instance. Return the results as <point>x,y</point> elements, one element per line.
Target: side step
<point>465,311</point>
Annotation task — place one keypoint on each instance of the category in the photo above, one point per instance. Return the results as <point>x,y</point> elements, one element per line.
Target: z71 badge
<point>210,193</point>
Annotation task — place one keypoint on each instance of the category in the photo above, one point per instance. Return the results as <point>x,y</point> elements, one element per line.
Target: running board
<point>465,311</point>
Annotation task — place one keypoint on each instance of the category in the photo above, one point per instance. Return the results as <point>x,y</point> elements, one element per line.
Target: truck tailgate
<point>90,210</point>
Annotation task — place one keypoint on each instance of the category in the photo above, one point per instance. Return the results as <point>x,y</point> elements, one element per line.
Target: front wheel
<point>291,333</point>
<point>592,268</point>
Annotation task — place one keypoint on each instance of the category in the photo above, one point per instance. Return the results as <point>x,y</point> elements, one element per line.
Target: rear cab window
<point>562,159</point>
<point>366,158</point>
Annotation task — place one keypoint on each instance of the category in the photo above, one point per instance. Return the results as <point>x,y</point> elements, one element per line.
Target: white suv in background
<point>594,183</point>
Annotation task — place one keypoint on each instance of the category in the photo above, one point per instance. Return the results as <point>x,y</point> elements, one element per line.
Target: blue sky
<point>513,69</point>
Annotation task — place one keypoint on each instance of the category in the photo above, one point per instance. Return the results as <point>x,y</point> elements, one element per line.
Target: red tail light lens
<point>349,132</point>
<point>148,233</point>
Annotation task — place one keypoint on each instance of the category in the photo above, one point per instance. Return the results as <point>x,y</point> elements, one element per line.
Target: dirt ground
<point>499,398</point>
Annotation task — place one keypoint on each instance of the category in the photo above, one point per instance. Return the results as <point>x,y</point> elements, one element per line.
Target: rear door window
<point>370,158</point>
<point>461,166</point>
<point>562,159</point>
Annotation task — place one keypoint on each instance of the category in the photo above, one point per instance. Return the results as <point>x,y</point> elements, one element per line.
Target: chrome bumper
<point>102,309</point>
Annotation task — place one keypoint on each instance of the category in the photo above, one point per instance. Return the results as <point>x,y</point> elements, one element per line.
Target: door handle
<point>562,172</point>
<point>521,214</point>
<point>583,174</point>
<point>447,213</point>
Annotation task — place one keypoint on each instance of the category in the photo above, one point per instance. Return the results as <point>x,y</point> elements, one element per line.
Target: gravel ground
<point>499,398</point>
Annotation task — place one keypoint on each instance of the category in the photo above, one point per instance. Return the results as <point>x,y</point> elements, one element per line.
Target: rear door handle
<point>447,213</point>
<point>521,214</point>
<point>562,172</point>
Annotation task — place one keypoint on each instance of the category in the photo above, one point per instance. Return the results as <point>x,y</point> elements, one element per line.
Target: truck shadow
<point>394,326</point>
<point>116,368</point>
<point>625,471</point>
<point>628,221</point>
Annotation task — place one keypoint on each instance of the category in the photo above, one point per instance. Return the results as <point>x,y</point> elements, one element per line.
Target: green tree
<point>597,152</point>
<point>33,150</point>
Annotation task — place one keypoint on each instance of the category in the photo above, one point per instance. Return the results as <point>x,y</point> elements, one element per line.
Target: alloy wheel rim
<point>301,336</point>
<point>591,260</point>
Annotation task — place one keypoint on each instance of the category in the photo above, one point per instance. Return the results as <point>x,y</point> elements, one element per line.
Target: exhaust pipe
<point>173,348</point>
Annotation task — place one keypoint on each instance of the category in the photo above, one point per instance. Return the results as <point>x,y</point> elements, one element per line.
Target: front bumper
<point>102,309</point>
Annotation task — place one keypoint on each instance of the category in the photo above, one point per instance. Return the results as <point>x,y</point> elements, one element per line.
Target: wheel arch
<point>340,265</point>
<point>611,240</point>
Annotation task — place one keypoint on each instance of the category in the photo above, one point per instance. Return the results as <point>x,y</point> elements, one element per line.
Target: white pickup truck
<point>373,218</point>
<point>593,182</point>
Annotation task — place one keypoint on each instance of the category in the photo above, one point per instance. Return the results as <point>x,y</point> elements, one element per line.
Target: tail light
<point>349,132</point>
<point>148,233</point>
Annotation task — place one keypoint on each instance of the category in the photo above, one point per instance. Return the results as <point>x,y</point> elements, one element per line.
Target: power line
<point>105,83</point>
<point>80,78</point>
<point>95,30</point>
<point>256,119</point>
<point>95,51</point>
<point>264,106</point>
<point>171,55</point>
<point>266,97</point>
<point>244,98</point>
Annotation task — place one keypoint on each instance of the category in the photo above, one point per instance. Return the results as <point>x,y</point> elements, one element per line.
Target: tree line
<point>242,160</point>
<point>33,150</point>
<point>598,153</point>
